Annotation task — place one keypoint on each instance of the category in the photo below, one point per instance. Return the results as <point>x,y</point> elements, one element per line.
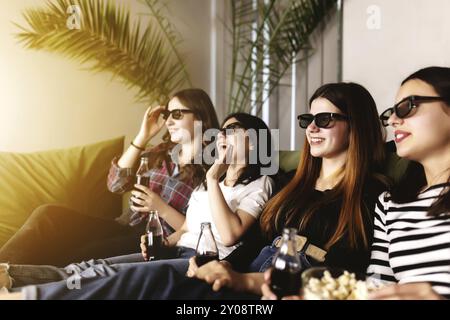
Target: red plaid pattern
<point>174,192</point>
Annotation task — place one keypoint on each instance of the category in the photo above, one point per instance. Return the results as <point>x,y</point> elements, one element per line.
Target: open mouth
<point>316,141</point>
<point>400,136</point>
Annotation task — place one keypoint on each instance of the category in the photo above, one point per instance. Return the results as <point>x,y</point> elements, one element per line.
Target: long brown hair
<point>414,179</point>
<point>198,101</point>
<point>364,157</point>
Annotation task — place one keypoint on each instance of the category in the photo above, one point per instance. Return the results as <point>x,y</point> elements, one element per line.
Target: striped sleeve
<point>410,246</point>
<point>379,267</point>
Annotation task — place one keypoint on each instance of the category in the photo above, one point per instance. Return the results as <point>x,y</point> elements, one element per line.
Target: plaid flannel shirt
<point>173,191</point>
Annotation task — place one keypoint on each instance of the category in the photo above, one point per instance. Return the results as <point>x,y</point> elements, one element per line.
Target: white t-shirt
<point>250,198</point>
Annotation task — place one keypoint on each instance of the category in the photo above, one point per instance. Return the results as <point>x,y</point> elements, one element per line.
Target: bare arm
<point>149,128</point>
<point>253,282</point>
<point>172,216</point>
<point>230,225</point>
<point>175,237</point>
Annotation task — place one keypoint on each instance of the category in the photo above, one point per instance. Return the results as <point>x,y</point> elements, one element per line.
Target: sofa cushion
<point>289,160</point>
<point>74,177</point>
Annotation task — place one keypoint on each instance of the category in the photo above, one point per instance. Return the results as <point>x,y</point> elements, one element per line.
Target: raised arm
<point>121,174</point>
<point>149,128</point>
<point>230,225</point>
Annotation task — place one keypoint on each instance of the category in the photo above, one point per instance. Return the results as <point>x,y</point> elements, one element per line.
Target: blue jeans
<point>30,274</point>
<point>133,281</point>
<point>159,280</point>
<point>264,260</point>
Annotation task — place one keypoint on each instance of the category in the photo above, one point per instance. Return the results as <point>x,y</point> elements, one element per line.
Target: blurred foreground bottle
<point>206,250</point>
<point>286,266</point>
<point>154,234</point>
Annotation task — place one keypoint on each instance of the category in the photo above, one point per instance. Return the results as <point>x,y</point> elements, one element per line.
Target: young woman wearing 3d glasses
<point>411,249</point>
<point>328,202</point>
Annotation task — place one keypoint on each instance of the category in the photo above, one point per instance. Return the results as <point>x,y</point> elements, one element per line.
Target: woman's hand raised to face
<point>151,125</point>
<point>220,166</point>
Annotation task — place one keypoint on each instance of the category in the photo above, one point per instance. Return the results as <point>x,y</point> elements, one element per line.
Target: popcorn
<point>345,287</point>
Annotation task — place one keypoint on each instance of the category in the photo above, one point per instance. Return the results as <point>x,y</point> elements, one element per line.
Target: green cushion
<point>74,177</point>
<point>289,160</point>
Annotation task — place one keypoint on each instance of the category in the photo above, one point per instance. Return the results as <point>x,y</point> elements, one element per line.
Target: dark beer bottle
<point>286,267</point>
<point>154,234</point>
<point>206,250</point>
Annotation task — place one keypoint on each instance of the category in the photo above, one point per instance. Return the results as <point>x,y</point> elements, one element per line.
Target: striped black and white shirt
<point>410,246</point>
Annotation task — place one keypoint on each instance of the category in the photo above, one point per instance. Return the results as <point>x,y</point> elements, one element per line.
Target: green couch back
<point>74,177</point>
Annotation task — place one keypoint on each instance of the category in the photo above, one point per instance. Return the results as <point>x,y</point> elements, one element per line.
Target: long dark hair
<point>414,178</point>
<point>198,101</point>
<point>253,171</point>
<point>365,158</point>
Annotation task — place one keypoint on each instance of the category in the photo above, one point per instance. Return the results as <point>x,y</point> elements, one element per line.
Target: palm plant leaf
<point>280,30</point>
<point>144,57</point>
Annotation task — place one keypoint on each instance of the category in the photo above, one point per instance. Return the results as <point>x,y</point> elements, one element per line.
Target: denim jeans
<point>264,260</point>
<point>30,274</point>
<point>160,280</point>
<point>132,281</point>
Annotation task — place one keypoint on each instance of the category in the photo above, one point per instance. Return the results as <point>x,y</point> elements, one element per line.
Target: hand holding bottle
<point>206,249</point>
<point>153,241</point>
<point>144,200</point>
<point>285,279</point>
<point>267,293</point>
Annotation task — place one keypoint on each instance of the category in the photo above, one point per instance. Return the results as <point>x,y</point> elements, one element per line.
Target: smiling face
<point>181,130</point>
<point>327,142</point>
<point>237,140</point>
<point>426,130</point>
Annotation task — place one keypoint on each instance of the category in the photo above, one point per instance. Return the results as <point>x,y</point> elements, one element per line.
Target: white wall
<point>321,67</point>
<point>412,34</point>
<point>48,101</point>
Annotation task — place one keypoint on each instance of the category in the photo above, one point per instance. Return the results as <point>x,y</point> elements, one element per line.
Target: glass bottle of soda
<point>286,266</point>
<point>141,177</point>
<point>154,234</point>
<point>206,250</point>
<point>141,174</point>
